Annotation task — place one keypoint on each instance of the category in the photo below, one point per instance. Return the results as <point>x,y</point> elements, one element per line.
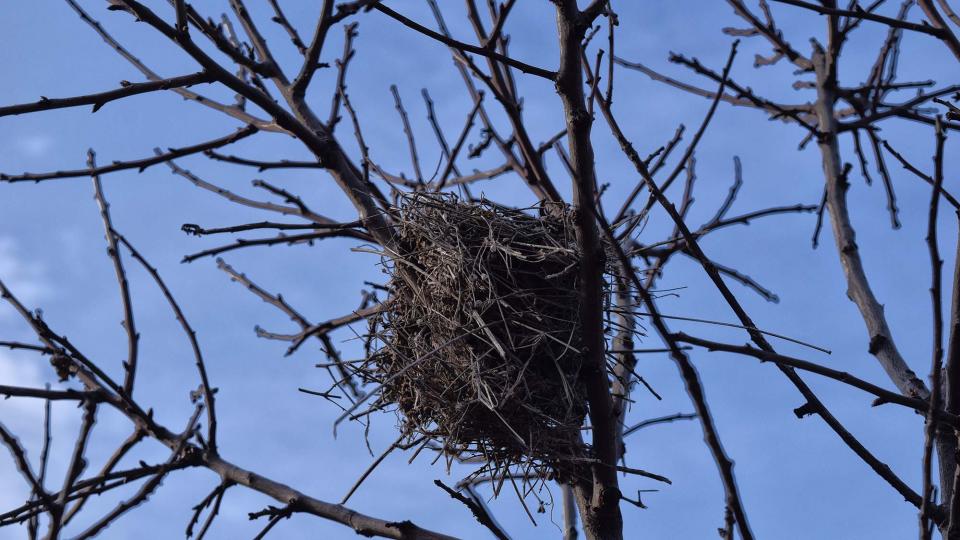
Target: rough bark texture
<point>882,345</point>
<point>599,502</point>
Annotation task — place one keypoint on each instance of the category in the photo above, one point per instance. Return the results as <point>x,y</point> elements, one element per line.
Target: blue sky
<point>797,479</point>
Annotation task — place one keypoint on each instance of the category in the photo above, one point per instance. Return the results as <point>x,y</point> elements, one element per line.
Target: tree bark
<point>882,345</point>
<point>599,500</point>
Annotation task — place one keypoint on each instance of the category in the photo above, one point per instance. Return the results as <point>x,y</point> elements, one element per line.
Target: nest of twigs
<point>479,347</point>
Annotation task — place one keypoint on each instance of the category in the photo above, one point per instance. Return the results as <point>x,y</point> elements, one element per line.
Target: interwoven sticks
<point>479,348</point>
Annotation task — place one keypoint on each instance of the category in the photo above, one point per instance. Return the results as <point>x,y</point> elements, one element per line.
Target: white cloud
<point>35,146</point>
<point>25,279</point>
<point>21,416</point>
<point>21,370</point>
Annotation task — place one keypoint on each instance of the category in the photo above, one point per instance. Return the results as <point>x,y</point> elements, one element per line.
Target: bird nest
<point>479,348</point>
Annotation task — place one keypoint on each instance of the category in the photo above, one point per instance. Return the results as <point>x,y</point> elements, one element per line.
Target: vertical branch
<point>687,370</point>
<point>411,143</point>
<point>612,23</point>
<point>20,458</point>
<point>183,28</point>
<point>887,182</point>
<point>311,60</point>
<point>601,519</point>
<point>281,19</point>
<point>349,32</point>
<point>694,388</point>
<point>532,169</point>
<point>259,43</point>
<point>952,368</point>
<point>148,487</point>
<point>452,158</point>
<point>813,405</point>
<point>930,431</point>
<point>77,464</point>
<point>128,444</point>
<point>206,390</point>
<point>569,513</point>
<point>133,339</point>
<point>949,12</point>
<point>215,502</point>
<point>881,345</point>
<point>727,531</point>
<point>437,130</point>
<point>34,523</point>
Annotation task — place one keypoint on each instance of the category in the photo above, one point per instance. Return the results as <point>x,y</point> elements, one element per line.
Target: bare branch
<point>129,325</point>
<point>883,395</point>
<point>139,164</point>
<point>479,512</point>
<point>48,394</point>
<point>369,470</point>
<point>603,516</point>
<point>20,458</point>
<point>362,524</point>
<point>77,464</point>
<point>127,89</point>
<point>121,451</point>
<point>919,174</point>
<point>465,47</point>
<point>277,240</point>
<point>936,265</point>
<point>206,390</point>
<point>660,420</point>
<point>234,111</point>
<point>263,165</point>
<point>860,13</point>
<point>771,33</point>
<point>411,143</point>
<point>311,60</point>
<point>281,19</point>
<point>147,488</point>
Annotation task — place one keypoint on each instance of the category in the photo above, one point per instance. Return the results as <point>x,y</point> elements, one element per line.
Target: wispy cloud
<point>23,417</point>
<point>35,146</point>
<point>24,278</point>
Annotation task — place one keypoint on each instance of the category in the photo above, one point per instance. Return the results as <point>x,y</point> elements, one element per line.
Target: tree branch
<point>139,164</point>
<point>127,89</point>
